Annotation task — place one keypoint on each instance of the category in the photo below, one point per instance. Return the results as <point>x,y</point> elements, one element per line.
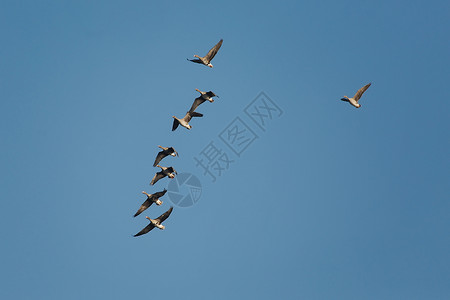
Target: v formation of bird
<point>170,151</point>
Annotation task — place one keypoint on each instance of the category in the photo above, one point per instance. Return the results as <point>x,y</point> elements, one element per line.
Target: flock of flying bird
<point>166,151</point>
<point>170,151</point>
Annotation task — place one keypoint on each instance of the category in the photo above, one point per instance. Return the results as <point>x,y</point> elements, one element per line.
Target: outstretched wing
<point>170,170</point>
<point>157,177</point>
<point>172,150</point>
<point>187,118</point>
<point>211,94</point>
<point>208,57</point>
<point>159,194</point>
<point>175,124</point>
<point>361,91</point>
<point>160,156</point>
<point>143,207</point>
<point>195,60</point>
<point>196,114</point>
<point>146,229</point>
<point>165,215</point>
<point>196,103</point>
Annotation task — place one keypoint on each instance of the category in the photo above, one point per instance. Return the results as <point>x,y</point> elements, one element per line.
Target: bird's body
<point>204,96</point>
<point>185,121</point>
<point>166,151</point>
<point>170,172</point>
<point>206,60</point>
<point>151,198</point>
<point>155,223</point>
<point>354,101</point>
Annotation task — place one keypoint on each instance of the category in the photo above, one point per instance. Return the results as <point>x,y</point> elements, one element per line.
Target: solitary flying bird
<point>170,171</point>
<point>155,223</point>
<point>203,97</point>
<point>185,121</point>
<point>151,198</point>
<point>166,151</point>
<point>206,60</point>
<point>354,101</point>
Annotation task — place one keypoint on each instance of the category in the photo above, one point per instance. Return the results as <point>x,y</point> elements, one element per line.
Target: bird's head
<point>358,105</point>
<point>158,202</point>
<point>210,65</point>
<point>189,127</point>
<point>211,100</point>
<point>162,227</point>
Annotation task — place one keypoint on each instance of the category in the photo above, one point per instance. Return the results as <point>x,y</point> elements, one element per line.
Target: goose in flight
<point>170,171</point>
<point>203,97</point>
<point>151,198</point>
<point>155,223</point>
<point>166,151</point>
<point>206,60</point>
<point>185,121</point>
<point>354,101</point>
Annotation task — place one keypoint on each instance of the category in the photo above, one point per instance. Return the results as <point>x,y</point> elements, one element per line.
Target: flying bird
<point>185,121</point>
<point>203,97</point>
<point>354,101</point>
<point>155,223</point>
<point>206,60</point>
<point>166,151</point>
<point>170,171</point>
<point>151,198</point>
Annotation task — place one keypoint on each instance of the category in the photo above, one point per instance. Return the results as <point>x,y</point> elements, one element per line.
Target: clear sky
<point>327,202</point>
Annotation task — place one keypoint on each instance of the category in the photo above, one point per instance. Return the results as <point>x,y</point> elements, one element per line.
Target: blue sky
<point>330,202</point>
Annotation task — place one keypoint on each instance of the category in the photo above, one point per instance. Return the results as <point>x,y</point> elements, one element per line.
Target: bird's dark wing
<point>170,170</point>
<point>157,177</point>
<point>344,99</point>
<point>187,118</point>
<point>159,194</point>
<point>146,229</point>
<point>143,207</point>
<point>165,215</point>
<point>172,150</point>
<point>160,156</point>
<point>208,57</point>
<point>196,114</point>
<point>196,61</point>
<point>196,103</point>
<point>211,94</point>
<point>361,91</point>
<point>175,124</point>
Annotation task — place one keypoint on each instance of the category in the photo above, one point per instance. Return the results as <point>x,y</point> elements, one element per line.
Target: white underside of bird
<point>154,222</point>
<point>183,123</point>
<point>354,102</point>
